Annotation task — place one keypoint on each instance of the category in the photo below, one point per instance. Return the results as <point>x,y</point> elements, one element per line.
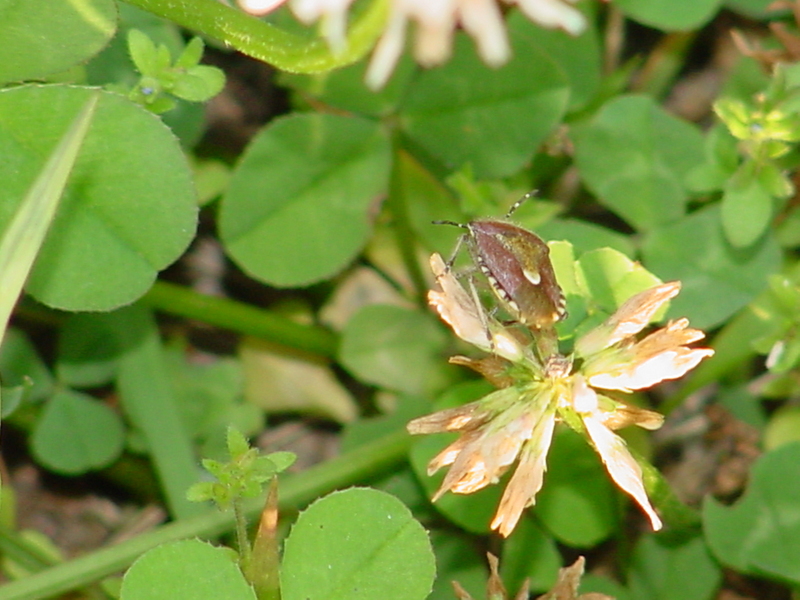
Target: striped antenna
<point>520,202</point>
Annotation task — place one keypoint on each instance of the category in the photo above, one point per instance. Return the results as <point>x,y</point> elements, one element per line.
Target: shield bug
<point>517,264</point>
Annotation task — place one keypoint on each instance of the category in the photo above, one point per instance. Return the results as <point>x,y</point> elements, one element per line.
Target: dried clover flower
<point>516,422</point>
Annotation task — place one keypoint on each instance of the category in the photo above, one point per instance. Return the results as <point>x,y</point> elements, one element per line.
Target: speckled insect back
<point>517,264</point>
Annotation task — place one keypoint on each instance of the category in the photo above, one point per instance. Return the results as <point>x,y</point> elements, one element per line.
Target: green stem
<point>664,63</point>
<point>240,317</point>
<point>347,469</point>
<point>266,42</point>
<point>240,525</point>
<point>28,555</point>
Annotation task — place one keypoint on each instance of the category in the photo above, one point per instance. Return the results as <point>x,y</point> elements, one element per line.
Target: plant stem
<point>266,42</point>
<point>664,63</point>
<point>347,469</point>
<point>240,523</point>
<point>240,317</point>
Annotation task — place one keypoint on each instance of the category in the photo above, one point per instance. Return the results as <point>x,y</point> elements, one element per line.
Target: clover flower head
<point>436,23</point>
<point>516,422</point>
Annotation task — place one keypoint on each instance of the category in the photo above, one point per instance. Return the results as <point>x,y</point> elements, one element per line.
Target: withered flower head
<point>495,590</point>
<point>565,588</point>
<point>516,422</point>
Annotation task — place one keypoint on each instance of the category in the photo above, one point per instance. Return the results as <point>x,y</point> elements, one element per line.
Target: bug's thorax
<point>517,265</point>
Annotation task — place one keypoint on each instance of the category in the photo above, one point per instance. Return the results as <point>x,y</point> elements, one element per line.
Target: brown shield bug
<point>517,264</point>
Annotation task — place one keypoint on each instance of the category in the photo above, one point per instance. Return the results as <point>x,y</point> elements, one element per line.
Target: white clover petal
<point>483,20</point>
<point>432,44</point>
<point>554,13</point>
<point>334,13</point>
<point>584,398</point>
<point>436,22</point>
<point>622,467</point>
<point>386,52</point>
<point>309,11</point>
<point>433,41</point>
<point>259,8</point>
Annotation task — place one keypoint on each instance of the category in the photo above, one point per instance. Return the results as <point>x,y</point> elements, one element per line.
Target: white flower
<point>435,23</point>
<point>437,20</point>
<point>259,7</point>
<point>516,422</point>
<point>334,18</point>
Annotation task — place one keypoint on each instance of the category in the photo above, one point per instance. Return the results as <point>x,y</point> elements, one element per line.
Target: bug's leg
<point>481,311</point>
<point>460,242</point>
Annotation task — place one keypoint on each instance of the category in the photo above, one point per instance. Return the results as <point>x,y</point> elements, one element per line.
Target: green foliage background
<point>330,206</point>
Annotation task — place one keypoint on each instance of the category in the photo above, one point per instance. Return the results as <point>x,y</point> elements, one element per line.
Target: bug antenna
<point>450,223</point>
<point>520,202</point>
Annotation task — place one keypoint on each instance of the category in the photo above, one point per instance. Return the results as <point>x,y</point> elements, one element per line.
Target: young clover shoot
<point>161,78</point>
<point>244,476</point>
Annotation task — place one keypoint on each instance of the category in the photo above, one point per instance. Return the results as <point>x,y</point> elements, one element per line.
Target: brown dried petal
<point>483,456</point>
<point>468,474</point>
<point>480,456</point>
<point>569,580</point>
<point>767,58</point>
<point>460,418</point>
<point>624,415</point>
<point>622,467</point>
<point>670,364</point>
<point>460,592</point>
<point>449,455</point>
<point>527,479</point>
<point>466,316</point>
<point>629,319</point>
<point>674,333</point>
<point>493,368</point>
<point>790,41</point>
<point>661,355</point>
<point>494,587</point>
<point>456,307</point>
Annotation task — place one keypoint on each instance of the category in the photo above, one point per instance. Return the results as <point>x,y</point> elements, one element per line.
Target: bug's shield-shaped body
<point>517,264</point>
